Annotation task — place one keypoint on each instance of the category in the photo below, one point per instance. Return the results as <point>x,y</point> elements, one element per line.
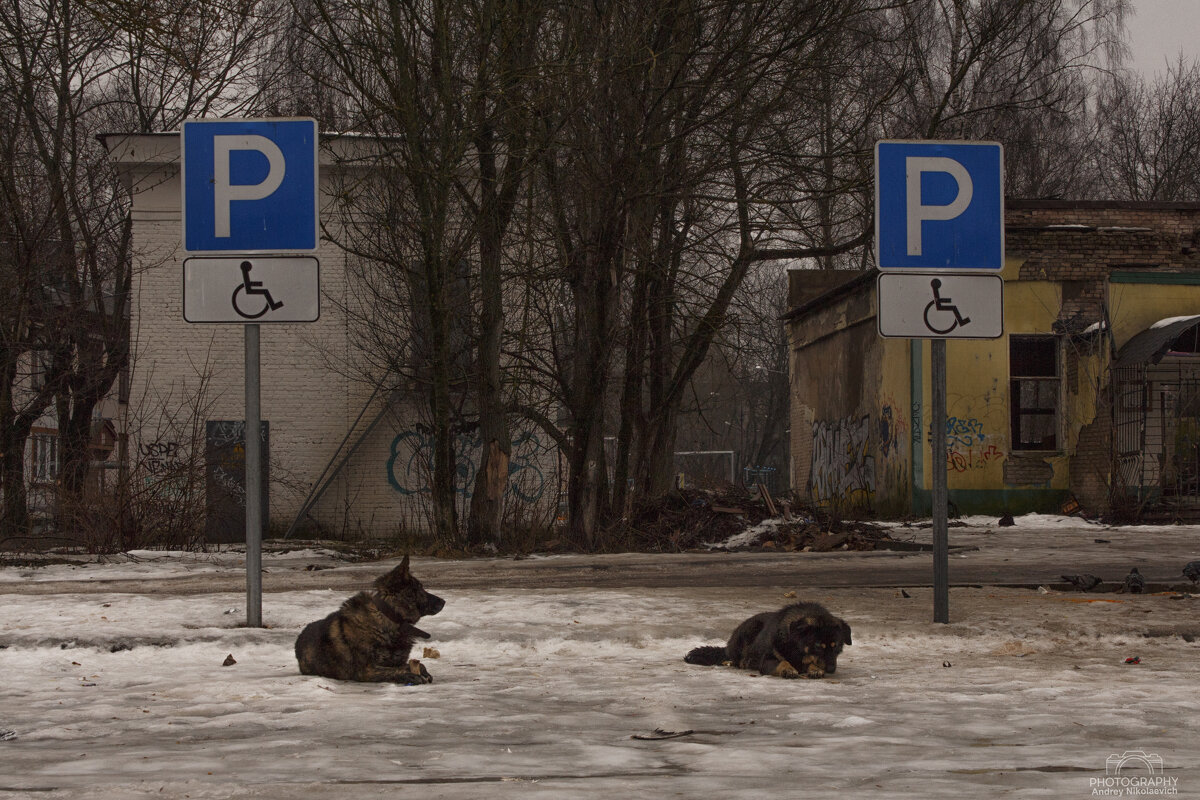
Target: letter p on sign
<point>249,186</point>
<point>939,205</point>
<point>225,191</point>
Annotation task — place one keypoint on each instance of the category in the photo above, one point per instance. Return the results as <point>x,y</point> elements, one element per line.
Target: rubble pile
<point>686,519</point>
<point>732,518</point>
<point>808,535</point>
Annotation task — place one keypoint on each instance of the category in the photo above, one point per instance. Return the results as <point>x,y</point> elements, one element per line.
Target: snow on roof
<point>1162,323</point>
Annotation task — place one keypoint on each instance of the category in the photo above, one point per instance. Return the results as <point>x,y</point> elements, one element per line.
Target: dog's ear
<point>846,633</point>
<point>397,576</point>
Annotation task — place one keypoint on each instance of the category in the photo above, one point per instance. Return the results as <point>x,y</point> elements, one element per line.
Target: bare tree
<point>444,88</point>
<point>1149,135</point>
<point>70,70</point>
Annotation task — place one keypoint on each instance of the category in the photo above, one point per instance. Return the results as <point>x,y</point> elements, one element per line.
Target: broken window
<point>1034,390</point>
<point>44,461</point>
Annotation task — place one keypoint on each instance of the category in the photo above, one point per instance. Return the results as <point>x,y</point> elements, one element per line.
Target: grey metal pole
<point>253,483</point>
<point>941,559</point>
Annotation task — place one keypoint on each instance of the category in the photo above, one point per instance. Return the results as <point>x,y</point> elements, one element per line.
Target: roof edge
<point>822,299</point>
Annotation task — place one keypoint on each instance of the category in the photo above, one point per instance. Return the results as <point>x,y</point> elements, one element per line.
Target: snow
<point>1162,323</point>
<point>538,691</point>
<point>161,563</point>
<point>751,535</point>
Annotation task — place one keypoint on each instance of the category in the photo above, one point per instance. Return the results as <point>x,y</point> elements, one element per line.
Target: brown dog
<point>800,640</point>
<point>370,637</point>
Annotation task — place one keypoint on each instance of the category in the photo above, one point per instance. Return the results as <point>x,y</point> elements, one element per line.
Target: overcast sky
<point>1160,30</point>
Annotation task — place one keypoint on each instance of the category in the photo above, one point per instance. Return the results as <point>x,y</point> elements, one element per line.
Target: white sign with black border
<point>940,305</point>
<point>251,289</point>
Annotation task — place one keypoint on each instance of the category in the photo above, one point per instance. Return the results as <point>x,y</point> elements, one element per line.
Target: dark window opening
<point>1186,342</point>
<point>1034,388</point>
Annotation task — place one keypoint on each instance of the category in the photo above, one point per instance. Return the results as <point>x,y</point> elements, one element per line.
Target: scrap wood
<point>829,541</point>
<point>765,493</point>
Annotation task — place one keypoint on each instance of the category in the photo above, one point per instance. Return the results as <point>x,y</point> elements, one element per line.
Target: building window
<point>1034,391</point>
<point>40,365</point>
<point>123,385</point>
<point>44,464</point>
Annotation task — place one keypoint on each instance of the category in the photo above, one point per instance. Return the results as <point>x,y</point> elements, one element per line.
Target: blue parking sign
<point>250,185</point>
<point>939,205</point>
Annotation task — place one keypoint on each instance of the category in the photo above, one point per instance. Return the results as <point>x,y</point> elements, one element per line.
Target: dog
<point>800,640</point>
<point>370,637</point>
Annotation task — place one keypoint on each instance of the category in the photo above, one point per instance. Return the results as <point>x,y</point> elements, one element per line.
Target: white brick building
<point>331,441</point>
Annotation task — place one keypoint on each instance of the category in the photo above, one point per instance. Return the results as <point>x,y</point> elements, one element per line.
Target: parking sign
<point>939,205</point>
<point>250,186</point>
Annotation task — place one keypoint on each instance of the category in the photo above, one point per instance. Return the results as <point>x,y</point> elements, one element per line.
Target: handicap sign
<point>251,289</point>
<point>939,205</point>
<point>250,185</point>
<point>940,305</point>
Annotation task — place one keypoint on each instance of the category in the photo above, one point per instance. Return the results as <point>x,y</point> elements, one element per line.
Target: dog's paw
<point>413,679</point>
<point>785,670</point>
<point>418,670</point>
<point>813,668</point>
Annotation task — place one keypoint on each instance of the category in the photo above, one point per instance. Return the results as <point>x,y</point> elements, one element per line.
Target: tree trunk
<point>660,461</point>
<point>491,481</point>
<point>16,523</point>
<point>595,296</point>
<point>442,490</point>
<point>587,488</point>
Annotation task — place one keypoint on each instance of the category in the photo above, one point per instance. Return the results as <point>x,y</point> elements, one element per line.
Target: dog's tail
<point>706,656</point>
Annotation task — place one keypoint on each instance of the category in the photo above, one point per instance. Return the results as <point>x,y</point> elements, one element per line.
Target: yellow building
<point>1091,396</point>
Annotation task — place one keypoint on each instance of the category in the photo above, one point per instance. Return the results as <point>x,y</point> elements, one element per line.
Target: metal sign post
<point>250,199</point>
<point>941,489</point>
<point>253,482</point>
<point>939,245</point>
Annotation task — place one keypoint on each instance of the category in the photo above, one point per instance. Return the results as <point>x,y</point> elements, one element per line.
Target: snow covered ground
<point>538,693</point>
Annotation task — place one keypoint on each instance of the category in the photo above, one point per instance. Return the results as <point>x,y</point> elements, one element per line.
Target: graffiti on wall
<point>410,464</point>
<point>161,457</point>
<point>961,460</point>
<point>843,469</point>
<point>964,432</point>
<point>967,447</point>
<point>893,428</point>
<point>225,479</point>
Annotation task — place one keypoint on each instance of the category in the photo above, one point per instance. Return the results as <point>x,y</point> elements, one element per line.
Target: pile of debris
<point>732,518</point>
<point>687,519</point>
<point>811,536</point>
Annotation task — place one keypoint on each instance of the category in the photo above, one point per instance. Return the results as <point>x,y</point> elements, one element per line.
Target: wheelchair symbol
<point>247,288</point>
<point>942,304</point>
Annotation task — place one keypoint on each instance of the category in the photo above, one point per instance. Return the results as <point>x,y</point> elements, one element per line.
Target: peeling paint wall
<point>851,421</point>
<point>860,403</point>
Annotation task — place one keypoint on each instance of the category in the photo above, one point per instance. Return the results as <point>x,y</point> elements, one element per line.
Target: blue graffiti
<point>965,432</point>
<point>410,465</point>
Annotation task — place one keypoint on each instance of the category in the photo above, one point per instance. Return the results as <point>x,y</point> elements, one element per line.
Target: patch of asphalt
<point>969,566</point>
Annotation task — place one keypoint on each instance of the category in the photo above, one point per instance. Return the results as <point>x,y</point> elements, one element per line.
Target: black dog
<point>800,640</point>
<point>370,637</point>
